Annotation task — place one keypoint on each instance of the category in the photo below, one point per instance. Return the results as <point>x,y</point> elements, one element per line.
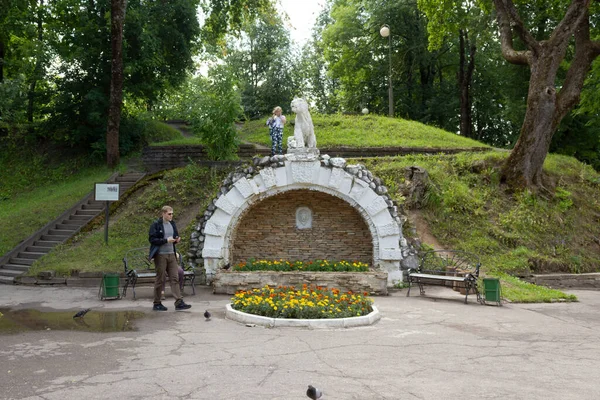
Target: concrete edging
<point>352,322</point>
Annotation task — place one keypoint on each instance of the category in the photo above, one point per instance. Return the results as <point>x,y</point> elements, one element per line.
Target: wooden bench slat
<point>441,277</point>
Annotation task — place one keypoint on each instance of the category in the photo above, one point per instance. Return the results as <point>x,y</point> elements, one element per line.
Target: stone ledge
<point>352,322</point>
<point>568,281</point>
<point>229,282</point>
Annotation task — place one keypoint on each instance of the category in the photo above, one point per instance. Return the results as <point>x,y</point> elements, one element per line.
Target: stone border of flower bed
<point>352,322</point>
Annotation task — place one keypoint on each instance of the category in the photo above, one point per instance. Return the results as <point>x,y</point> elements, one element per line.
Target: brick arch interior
<point>267,230</point>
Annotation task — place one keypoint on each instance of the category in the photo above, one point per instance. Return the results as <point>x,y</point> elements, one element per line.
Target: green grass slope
<point>465,208</point>
<point>363,131</point>
<point>188,190</point>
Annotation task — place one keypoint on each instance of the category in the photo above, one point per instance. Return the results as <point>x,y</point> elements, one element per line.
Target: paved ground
<point>431,347</point>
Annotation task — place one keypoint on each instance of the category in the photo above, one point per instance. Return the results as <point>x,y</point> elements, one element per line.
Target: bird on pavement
<point>313,392</point>
<point>206,315</point>
<point>81,313</point>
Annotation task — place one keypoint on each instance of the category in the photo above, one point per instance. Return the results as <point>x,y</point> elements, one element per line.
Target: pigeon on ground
<point>206,315</point>
<point>313,392</point>
<point>226,267</point>
<point>81,313</point>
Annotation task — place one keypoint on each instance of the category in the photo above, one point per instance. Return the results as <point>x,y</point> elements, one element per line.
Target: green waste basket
<point>110,286</point>
<point>493,292</point>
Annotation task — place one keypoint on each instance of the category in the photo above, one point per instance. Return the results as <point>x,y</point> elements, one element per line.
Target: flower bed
<point>314,266</point>
<point>305,303</point>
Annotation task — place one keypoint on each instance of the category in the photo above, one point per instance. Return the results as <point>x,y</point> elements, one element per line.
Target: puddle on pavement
<point>16,321</point>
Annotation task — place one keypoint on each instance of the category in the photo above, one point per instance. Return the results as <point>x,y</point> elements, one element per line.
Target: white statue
<point>304,130</point>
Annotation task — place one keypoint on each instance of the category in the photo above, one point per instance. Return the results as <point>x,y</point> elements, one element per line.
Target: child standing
<point>275,124</point>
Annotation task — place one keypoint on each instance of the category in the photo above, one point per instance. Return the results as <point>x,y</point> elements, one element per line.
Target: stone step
<point>54,238</point>
<point>46,243</point>
<point>39,249</point>
<point>79,217</point>
<point>90,213</point>
<point>15,267</point>
<point>68,227</point>
<point>30,255</point>
<point>96,207</point>
<point>10,272</point>
<point>78,222</point>
<point>61,232</point>
<point>21,261</point>
<point>7,280</point>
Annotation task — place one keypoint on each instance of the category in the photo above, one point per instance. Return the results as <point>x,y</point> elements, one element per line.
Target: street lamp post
<point>386,33</point>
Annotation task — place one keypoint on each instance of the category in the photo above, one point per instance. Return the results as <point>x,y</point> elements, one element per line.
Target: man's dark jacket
<point>157,238</point>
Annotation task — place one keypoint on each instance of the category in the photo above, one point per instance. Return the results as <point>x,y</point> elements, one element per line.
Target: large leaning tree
<point>547,104</point>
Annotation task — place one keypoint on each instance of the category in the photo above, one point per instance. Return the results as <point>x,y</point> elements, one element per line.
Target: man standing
<point>163,236</point>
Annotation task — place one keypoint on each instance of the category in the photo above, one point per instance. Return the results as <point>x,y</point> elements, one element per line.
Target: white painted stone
<point>368,197</point>
<point>382,218</point>
<point>235,197</point>
<point>389,229</point>
<point>346,184</point>
<point>211,253</point>
<point>388,242</point>
<point>220,217</point>
<point>393,270</point>
<point>226,205</point>
<point>260,184</point>
<point>304,172</point>
<point>246,188</point>
<point>390,254</point>
<point>214,242</point>
<point>211,266</point>
<point>358,188</point>
<point>376,206</point>
<point>336,178</point>
<point>324,176</point>
<point>268,177</point>
<point>281,176</point>
<point>215,229</point>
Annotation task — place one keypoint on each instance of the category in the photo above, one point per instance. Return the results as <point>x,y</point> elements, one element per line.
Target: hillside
<point>463,208</point>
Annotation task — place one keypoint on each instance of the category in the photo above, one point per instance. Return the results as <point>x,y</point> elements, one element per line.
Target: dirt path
<point>416,219</point>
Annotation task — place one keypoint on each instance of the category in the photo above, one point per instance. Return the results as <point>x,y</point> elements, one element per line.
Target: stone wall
<point>375,283</point>
<point>158,158</point>
<point>568,281</point>
<point>268,230</point>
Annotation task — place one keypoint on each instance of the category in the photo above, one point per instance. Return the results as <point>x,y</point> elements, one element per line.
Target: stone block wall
<point>374,283</point>
<point>268,230</point>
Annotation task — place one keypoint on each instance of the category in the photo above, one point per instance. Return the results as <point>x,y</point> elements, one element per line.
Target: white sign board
<point>107,191</point>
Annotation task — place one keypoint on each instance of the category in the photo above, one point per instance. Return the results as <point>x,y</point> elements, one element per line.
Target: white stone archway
<point>351,183</point>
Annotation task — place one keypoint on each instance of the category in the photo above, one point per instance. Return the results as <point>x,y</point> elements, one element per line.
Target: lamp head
<point>384,31</point>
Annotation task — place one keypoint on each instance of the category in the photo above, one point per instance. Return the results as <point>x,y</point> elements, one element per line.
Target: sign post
<point>107,192</point>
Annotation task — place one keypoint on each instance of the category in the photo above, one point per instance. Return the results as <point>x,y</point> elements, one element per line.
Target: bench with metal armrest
<point>137,266</point>
<point>446,267</point>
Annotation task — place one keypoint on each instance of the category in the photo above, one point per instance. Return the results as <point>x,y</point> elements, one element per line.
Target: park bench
<point>138,266</point>
<point>446,268</point>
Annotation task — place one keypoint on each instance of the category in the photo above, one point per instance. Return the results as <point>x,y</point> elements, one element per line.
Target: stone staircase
<point>17,261</point>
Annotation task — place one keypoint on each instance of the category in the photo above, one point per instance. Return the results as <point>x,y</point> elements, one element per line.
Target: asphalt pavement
<point>424,347</point>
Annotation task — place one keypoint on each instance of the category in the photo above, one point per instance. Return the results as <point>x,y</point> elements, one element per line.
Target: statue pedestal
<point>302,153</point>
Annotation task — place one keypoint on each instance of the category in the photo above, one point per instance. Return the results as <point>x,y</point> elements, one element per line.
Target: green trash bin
<point>110,286</point>
<point>493,292</point>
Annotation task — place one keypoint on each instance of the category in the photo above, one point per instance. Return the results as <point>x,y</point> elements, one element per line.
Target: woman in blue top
<point>275,124</point>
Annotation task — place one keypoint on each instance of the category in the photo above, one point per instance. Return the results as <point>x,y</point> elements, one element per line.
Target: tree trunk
<point>38,65</point>
<point>465,76</point>
<point>1,60</point>
<point>523,168</point>
<point>116,82</point>
<point>545,106</point>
